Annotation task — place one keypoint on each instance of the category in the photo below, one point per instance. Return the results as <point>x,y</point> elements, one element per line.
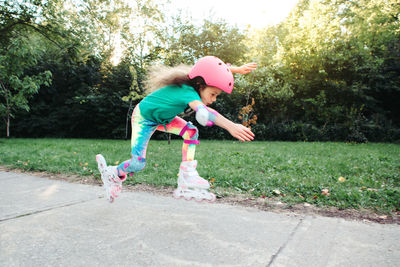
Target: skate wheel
<point>176,194</point>
<point>101,163</point>
<point>114,194</point>
<point>213,198</point>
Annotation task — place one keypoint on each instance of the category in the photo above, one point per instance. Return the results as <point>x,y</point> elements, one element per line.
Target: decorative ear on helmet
<point>214,72</point>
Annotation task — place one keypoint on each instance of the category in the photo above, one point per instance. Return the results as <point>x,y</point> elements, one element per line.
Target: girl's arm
<point>246,68</point>
<point>237,130</point>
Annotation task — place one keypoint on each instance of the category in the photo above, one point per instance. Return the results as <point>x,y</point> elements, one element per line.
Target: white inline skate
<point>191,185</point>
<point>112,183</point>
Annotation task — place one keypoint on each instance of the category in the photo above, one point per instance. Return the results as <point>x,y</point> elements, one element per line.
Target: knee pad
<point>194,133</point>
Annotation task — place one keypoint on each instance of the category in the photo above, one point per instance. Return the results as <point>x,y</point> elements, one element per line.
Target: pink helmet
<point>214,72</point>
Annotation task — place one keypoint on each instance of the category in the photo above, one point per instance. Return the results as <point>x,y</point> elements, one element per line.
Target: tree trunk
<point>8,125</point>
<point>128,118</point>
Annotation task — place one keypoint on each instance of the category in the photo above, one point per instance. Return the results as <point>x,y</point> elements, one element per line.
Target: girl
<point>197,88</point>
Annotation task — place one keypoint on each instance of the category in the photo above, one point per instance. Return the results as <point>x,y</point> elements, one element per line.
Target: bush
<point>302,131</point>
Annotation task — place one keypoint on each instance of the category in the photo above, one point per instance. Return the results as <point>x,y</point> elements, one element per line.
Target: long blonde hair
<point>160,76</point>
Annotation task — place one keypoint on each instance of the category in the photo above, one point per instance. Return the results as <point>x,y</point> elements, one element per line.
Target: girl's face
<point>209,94</point>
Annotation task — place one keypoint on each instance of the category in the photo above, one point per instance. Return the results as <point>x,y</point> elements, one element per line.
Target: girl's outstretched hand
<point>241,132</point>
<point>237,130</point>
<point>246,68</point>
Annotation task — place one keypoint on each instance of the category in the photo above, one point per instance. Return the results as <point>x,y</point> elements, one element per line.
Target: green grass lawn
<point>351,175</point>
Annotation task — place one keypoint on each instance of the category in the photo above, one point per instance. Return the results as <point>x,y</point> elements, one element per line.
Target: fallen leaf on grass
<point>341,179</point>
<point>276,192</point>
<point>325,192</point>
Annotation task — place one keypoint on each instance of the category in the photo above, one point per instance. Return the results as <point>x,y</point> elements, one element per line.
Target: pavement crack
<point>274,256</point>
<point>45,209</point>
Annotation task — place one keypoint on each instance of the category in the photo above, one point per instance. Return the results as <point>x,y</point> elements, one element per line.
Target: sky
<point>257,13</point>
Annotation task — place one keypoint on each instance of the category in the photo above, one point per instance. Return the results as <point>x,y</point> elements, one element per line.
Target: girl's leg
<point>142,130</point>
<point>190,184</point>
<point>188,132</point>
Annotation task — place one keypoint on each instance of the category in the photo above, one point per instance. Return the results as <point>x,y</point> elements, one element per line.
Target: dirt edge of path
<point>264,204</point>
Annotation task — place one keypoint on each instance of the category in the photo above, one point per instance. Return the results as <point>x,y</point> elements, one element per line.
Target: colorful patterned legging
<point>143,129</point>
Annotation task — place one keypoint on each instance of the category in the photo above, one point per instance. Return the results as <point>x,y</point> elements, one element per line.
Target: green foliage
<point>330,71</point>
<point>327,65</point>
<point>85,100</point>
<point>17,85</point>
<point>186,43</point>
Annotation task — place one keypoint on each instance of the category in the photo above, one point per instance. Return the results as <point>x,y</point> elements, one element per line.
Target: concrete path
<point>53,223</point>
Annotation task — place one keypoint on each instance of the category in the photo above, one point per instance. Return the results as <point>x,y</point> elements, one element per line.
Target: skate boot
<point>112,183</point>
<point>191,185</point>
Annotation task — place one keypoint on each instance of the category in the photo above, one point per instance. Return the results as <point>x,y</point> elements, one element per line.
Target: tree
<point>34,15</point>
<point>332,64</point>
<point>186,43</point>
<point>143,34</point>
<point>17,86</point>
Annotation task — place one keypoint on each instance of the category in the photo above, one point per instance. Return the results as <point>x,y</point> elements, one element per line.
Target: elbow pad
<point>205,116</point>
